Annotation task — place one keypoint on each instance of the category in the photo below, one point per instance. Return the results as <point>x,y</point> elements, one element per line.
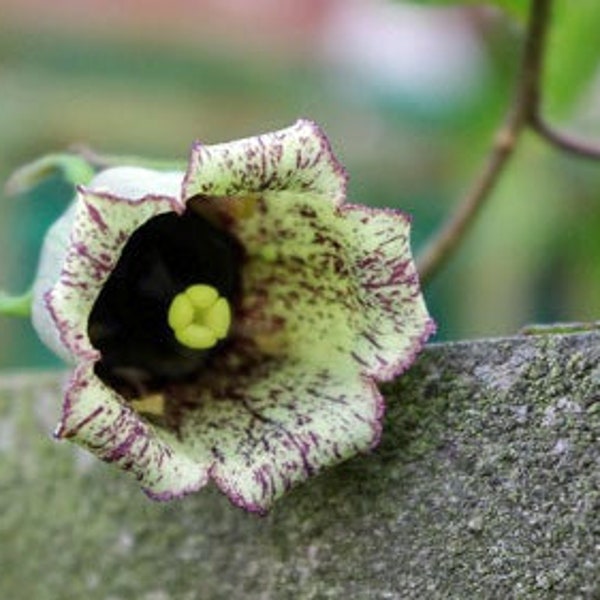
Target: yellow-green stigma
<point>199,317</point>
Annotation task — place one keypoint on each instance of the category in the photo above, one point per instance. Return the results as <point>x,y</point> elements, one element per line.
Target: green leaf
<point>517,8</point>
<point>573,53</point>
<point>15,306</point>
<point>74,169</point>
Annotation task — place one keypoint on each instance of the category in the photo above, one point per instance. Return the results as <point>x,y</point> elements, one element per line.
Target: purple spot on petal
<point>76,428</point>
<point>96,216</point>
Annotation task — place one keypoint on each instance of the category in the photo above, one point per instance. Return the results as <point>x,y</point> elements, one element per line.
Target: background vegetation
<point>409,93</point>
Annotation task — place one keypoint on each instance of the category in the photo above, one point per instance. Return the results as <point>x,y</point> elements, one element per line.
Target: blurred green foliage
<point>573,54</point>
<point>516,8</point>
<point>534,254</point>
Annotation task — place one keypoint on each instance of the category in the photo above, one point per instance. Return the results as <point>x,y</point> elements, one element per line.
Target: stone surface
<point>486,485</point>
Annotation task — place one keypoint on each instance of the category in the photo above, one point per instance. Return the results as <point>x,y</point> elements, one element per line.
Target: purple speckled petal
<point>323,278</point>
<point>331,293</point>
<point>323,281</point>
<point>99,226</point>
<point>329,304</point>
<point>256,435</point>
<point>279,425</point>
<point>396,322</point>
<point>296,159</point>
<point>97,418</point>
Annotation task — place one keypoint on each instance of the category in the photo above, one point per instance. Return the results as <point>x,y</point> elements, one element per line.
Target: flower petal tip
<point>97,418</point>
<point>298,159</point>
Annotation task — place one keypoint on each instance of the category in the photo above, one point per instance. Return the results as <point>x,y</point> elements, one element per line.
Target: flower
<point>229,323</point>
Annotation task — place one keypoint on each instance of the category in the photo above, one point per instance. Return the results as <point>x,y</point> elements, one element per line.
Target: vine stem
<point>564,141</point>
<point>523,112</point>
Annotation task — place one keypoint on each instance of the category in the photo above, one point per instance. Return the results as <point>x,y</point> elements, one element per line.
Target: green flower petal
<point>269,430</point>
<point>82,248</point>
<point>256,435</point>
<point>323,278</point>
<point>337,281</point>
<point>396,323</point>
<point>296,159</point>
<point>97,418</point>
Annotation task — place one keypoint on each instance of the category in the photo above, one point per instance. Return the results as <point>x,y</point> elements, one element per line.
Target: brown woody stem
<point>524,112</point>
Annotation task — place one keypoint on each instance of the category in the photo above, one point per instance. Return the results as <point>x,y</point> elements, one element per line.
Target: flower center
<point>199,317</point>
<point>166,308</point>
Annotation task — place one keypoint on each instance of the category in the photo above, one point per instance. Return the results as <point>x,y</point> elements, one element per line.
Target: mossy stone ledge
<point>486,485</point>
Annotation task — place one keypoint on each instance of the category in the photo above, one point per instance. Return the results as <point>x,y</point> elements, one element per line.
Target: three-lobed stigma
<point>199,317</point>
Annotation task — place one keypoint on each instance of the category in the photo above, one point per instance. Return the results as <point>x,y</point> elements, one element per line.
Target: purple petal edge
<point>336,166</point>
<point>238,500</point>
<point>73,344</point>
<point>395,369</point>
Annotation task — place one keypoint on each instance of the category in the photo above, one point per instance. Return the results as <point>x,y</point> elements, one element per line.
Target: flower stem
<point>564,141</point>
<point>74,169</point>
<point>524,112</point>
<point>15,306</point>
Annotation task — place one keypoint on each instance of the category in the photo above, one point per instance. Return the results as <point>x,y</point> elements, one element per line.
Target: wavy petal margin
<point>82,248</point>
<point>323,281</point>
<point>297,159</point>
<point>278,427</point>
<point>396,321</point>
<point>256,436</point>
<point>97,418</point>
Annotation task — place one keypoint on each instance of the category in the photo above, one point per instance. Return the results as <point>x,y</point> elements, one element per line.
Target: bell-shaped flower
<point>229,323</point>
